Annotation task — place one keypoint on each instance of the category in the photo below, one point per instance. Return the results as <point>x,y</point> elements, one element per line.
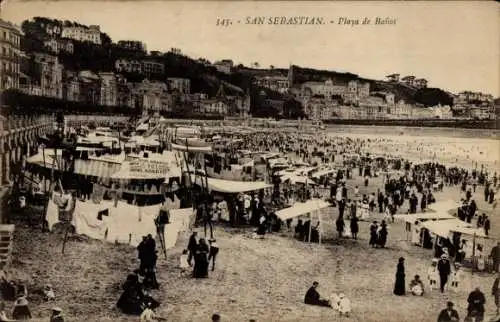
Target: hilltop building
<point>133,45</point>
<point>85,34</point>
<point>276,83</point>
<point>224,66</point>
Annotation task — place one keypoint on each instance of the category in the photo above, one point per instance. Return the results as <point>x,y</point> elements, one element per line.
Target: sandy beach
<point>261,279</point>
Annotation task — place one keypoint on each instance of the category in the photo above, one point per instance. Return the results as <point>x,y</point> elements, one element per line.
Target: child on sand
<point>432,275</point>
<point>456,278</point>
<point>183,262</point>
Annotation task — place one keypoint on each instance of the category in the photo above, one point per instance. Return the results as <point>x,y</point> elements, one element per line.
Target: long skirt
<point>399,285</point>
<point>200,269</point>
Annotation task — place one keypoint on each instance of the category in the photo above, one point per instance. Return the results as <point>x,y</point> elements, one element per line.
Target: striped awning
<point>96,168</point>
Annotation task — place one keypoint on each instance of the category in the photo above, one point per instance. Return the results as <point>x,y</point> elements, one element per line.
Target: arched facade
<point>19,139</point>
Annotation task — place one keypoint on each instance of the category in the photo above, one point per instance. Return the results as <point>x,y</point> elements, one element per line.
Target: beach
<point>264,279</point>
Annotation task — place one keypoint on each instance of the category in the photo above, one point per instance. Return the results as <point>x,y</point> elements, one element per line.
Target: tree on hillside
<point>292,109</point>
<point>432,97</point>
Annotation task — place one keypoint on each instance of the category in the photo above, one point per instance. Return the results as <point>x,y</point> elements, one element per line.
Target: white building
<point>128,65</point>
<point>273,82</point>
<point>58,45</point>
<point>182,85</point>
<point>224,66</point>
<point>91,34</point>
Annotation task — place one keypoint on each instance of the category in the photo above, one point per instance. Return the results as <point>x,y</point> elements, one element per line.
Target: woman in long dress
<point>201,260</point>
<point>399,285</point>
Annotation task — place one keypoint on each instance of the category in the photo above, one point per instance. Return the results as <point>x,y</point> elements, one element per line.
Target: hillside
<point>425,96</point>
<point>204,77</point>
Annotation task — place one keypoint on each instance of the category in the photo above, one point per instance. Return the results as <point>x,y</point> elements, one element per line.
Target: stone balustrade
<point>19,138</point>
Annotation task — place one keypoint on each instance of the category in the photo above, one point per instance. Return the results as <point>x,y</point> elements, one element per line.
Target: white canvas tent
<point>414,221</point>
<point>442,228</point>
<point>184,148</point>
<point>230,186</point>
<point>471,231</point>
<point>302,208</point>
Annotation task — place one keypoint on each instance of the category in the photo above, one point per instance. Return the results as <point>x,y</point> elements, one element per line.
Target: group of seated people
<point>338,302</point>
<point>135,297</point>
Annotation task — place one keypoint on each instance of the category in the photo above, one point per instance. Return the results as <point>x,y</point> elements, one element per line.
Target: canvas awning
<point>424,216</point>
<point>478,232</point>
<point>442,228</point>
<point>230,186</point>
<point>444,206</point>
<point>297,179</point>
<point>201,149</point>
<point>91,167</point>
<point>321,173</point>
<point>302,208</point>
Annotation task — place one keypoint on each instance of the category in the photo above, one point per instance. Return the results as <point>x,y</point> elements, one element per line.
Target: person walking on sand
<point>444,269</point>
<point>399,285</point>
<point>354,227</point>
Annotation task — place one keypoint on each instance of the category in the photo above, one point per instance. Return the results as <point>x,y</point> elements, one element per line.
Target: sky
<point>454,45</point>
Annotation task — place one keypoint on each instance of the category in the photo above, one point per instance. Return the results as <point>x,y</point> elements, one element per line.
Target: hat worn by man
<point>56,309</point>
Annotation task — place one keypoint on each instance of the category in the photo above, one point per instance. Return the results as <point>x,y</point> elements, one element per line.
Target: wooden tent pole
<point>310,228</point>
<point>320,232</point>
<point>473,252</point>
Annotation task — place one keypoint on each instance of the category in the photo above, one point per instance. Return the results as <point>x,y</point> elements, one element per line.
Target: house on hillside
<point>420,83</point>
<point>408,80</point>
<point>128,65</point>
<point>109,89</point>
<point>216,106</point>
<point>275,83</point>
<point>48,73</point>
<point>393,78</point>
<point>71,86</point>
<point>224,66</point>
<point>90,88</point>
<point>56,45</point>
<point>85,34</point>
<point>152,96</point>
<point>151,67</point>
<point>182,85</point>
<point>133,45</point>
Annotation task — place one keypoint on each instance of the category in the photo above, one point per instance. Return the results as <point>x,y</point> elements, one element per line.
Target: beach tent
<point>475,236</point>
<point>324,172</point>
<point>95,166</point>
<point>302,208</point>
<point>414,221</point>
<point>230,186</point>
<point>443,228</point>
<point>297,179</point>
<point>184,148</point>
